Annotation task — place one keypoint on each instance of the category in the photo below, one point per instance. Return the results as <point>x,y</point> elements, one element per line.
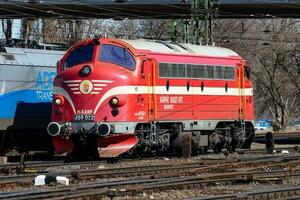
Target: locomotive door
<point>241,95</point>
<point>148,72</point>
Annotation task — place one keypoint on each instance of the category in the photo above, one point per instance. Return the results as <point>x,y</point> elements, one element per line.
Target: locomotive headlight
<point>86,70</point>
<point>114,101</point>
<point>58,101</point>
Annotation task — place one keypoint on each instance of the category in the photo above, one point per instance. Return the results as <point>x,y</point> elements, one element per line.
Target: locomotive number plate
<point>83,117</point>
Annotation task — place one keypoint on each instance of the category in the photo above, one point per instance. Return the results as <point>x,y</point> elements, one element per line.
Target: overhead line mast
<point>202,11</point>
<point>206,15</point>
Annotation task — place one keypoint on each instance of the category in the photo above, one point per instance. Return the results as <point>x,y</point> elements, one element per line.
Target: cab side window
<point>117,55</point>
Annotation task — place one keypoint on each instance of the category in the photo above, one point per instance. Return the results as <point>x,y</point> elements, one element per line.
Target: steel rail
<point>187,168</point>
<point>103,173</point>
<point>133,186</point>
<point>265,194</point>
<point>247,151</point>
<point>46,164</point>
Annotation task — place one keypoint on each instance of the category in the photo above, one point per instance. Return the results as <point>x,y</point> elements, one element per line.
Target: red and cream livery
<point>111,95</point>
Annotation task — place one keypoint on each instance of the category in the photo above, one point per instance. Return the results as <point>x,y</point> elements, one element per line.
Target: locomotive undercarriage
<point>232,135</point>
<point>168,136</point>
<point>158,137</point>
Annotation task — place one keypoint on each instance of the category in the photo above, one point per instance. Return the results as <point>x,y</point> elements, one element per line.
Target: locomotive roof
<point>30,57</point>
<point>180,48</point>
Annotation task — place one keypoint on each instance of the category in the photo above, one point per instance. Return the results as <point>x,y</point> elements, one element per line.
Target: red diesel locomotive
<point>111,95</point>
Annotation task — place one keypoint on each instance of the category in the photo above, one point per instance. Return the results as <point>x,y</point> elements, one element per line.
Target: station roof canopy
<point>119,9</point>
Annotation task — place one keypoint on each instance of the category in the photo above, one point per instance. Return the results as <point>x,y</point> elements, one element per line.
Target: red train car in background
<point>112,95</point>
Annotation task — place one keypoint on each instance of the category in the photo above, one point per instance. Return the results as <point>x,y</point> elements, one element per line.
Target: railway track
<point>264,151</point>
<point>288,193</point>
<point>134,186</point>
<point>120,181</point>
<point>102,173</point>
<point>30,166</point>
<point>133,180</point>
<point>262,133</point>
<point>36,165</point>
<point>205,166</point>
<point>280,138</point>
<point>40,165</point>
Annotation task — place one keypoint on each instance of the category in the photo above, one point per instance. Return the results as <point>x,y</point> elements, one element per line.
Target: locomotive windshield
<point>80,55</point>
<point>117,55</point>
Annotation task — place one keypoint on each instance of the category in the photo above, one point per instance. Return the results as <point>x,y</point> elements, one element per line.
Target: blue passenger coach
<point>26,81</point>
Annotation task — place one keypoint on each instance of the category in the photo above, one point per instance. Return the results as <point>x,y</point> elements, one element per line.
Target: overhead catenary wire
<point>38,32</point>
<point>118,11</point>
<point>115,10</point>
<point>124,11</point>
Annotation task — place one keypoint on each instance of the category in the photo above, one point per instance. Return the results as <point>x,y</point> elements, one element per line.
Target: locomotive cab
<point>85,74</point>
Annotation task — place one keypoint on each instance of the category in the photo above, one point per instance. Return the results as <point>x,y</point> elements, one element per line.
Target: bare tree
<point>271,47</point>
<point>26,30</point>
<point>7,28</point>
<point>155,28</point>
<point>129,29</point>
<point>275,85</point>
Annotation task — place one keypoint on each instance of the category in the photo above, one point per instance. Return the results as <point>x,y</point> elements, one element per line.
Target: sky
<point>15,29</point>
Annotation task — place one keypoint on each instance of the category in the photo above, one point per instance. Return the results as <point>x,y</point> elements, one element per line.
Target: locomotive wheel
<point>217,148</point>
<point>216,143</point>
<point>250,138</point>
<point>248,142</point>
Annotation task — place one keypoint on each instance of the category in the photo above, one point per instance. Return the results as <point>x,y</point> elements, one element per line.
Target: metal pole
<point>192,31</point>
<point>210,2</point>
<point>186,32</point>
<point>174,31</point>
<point>195,22</point>
<point>206,20</point>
